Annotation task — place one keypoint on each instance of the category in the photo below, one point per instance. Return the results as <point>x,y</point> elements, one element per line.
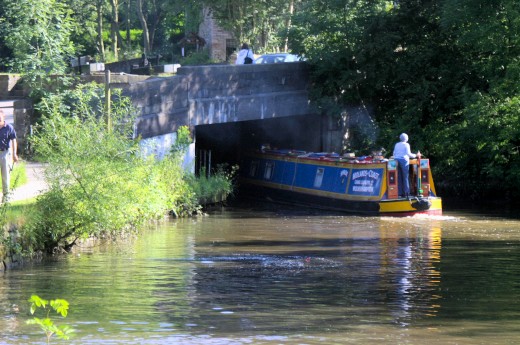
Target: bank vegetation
<point>100,183</point>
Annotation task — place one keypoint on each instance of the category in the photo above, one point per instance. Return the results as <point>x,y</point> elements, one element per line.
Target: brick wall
<point>215,36</point>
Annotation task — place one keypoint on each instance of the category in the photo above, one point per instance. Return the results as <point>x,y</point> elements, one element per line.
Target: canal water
<point>283,276</point>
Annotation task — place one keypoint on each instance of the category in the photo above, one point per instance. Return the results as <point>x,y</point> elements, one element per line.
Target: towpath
<point>35,183</point>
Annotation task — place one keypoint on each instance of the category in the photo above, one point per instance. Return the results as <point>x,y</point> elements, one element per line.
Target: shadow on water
<point>483,208</point>
<point>248,206</point>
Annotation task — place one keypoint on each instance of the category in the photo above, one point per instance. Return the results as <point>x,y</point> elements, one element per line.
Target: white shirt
<point>241,56</point>
<point>402,150</point>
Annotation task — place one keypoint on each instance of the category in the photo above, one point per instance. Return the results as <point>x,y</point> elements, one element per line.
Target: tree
<point>99,20</point>
<point>144,25</point>
<point>488,37</point>
<point>446,72</point>
<point>38,34</point>
<point>84,33</point>
<point>158,17</point>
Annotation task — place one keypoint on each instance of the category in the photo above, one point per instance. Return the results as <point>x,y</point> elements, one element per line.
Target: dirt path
<point>35,183</point>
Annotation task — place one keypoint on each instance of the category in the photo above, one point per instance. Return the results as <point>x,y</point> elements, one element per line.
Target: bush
<point>214,188</point>
<point>99,182</point>
<point>197,58</point>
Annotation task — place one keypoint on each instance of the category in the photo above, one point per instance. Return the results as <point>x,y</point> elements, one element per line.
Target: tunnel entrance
<point>226,143</point>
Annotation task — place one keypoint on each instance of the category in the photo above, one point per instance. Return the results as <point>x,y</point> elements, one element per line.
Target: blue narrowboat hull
<point>337,183</point>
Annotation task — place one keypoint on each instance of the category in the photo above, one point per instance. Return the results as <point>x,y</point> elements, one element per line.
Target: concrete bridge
<point>216,94</point>
<point>233,107</point>
<point>228,107</point>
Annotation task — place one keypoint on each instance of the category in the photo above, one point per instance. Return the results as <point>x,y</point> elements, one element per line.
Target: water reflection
<point>360,276</point>
<point>415,258</point>
<point>279,276</point>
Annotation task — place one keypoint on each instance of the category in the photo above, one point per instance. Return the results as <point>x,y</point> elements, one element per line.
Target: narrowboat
<point>365,185</point>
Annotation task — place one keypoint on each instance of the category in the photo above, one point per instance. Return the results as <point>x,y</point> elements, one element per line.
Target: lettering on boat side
<point>365,182</point>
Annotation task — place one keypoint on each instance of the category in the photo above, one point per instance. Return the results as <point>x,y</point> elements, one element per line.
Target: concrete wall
<point>214,94</point>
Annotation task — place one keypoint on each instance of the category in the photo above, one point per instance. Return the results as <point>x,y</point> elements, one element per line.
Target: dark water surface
<point>284,277</point>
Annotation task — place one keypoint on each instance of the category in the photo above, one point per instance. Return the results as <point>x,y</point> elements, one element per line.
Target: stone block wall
<point>239,80</point>
<point>162,103</point>
<point>218,94</point>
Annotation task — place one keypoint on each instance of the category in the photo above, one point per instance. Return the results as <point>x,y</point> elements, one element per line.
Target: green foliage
<point>486,149</point>
<point>17,215</point>
<point>264,24</point>
<point>329,34</point>
<point>18,175</point>
<point>13,214</point>
<point>60,306</point>
<point>10,247</point>
<point>136,35</point>
<point>196,58</point>
<point>83,32</point>
<point>132,51</point>
<point>183,140</point>
<point>38,33</point>
<point>181,199</point>
<point>99,183</point>
<point>444,72</point>
<point>215,187</point>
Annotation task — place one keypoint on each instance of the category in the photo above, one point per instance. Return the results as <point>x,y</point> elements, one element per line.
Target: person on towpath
<point>8,153</point>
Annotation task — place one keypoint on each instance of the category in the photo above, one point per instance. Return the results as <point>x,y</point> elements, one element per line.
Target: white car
<point>276,58</point>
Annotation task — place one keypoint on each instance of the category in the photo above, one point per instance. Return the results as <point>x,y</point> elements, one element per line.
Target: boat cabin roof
<point>324,156</point>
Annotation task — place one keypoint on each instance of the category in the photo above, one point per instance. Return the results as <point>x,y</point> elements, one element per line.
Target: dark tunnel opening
<point>225,143</point>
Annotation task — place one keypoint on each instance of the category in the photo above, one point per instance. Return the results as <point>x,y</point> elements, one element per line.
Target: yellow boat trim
<point>396,206</point>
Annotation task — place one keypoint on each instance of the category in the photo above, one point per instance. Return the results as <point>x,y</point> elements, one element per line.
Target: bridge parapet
<point>238,80</point>
<point>220,93</point>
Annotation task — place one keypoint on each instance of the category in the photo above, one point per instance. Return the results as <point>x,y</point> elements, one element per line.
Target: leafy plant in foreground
<point>60,306</point>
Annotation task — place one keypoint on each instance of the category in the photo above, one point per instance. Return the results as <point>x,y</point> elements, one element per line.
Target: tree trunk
<point>114,27</point>
<point>100,44</point>
<point>288,25</point>
<point>128,38</point>
<point>144,26</point>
